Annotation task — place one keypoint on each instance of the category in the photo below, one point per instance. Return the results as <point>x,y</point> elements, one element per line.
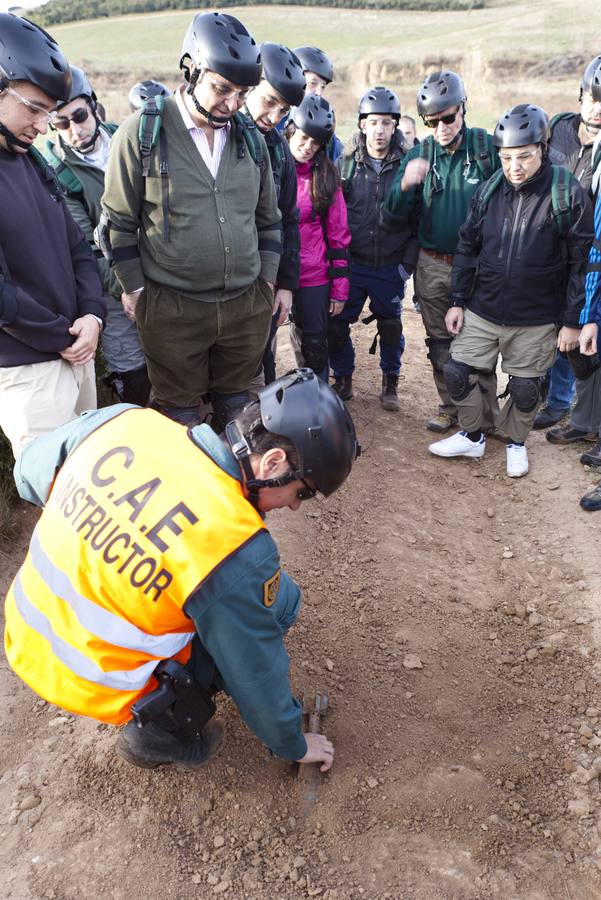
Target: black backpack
<point>561,205</point>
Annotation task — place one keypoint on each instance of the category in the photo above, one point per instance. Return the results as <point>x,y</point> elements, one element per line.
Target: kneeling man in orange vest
<point>151,581</point>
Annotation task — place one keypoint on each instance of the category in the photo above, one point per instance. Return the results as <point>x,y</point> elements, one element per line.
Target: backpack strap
<point>48,173</point>
<point>150,132</point>
<point>561,199</point>
<point>559,117</point>
<point>480,152</point>
<point>247,132</point>
<point>69,181</point>
<point>488,190</point>
<point>347,170</point>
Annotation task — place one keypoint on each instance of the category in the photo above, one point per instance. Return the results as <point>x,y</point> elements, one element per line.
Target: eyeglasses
<point>446,120</point>
<point>519,157</point>
<point>314,83</point>
<point>37,111</point>
<point>306,492</point>
<point>80,116</point>
<point>225,92</point>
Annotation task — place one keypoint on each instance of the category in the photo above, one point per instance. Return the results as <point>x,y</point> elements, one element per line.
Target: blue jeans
<point>385,289</point>
<point>562,385</point>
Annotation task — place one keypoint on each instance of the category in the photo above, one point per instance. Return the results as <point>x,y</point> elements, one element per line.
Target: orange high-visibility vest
<point>138,518</point>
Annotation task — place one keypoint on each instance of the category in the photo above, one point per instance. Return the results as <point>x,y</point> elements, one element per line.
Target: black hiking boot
<point>592,457</point>
<point>389,395</point>
<point>343,385</point>
<point>152,746</point>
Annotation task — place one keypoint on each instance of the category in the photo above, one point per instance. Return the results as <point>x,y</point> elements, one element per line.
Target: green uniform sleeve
<point>399,205</point>
<point>241,615</point>
<point>38,464</point>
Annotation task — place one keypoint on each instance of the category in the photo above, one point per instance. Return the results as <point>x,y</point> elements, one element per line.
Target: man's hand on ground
<point>319,750</point>
<point>86,330</point>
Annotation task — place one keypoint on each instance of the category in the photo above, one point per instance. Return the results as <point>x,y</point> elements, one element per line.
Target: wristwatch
<point>99,320</point>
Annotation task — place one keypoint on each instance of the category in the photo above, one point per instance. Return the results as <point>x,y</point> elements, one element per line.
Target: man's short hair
<point>408,119</point>
<point>260,440</point>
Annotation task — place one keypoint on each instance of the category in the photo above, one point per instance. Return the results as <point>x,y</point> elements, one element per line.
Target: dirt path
<point>474,776</point>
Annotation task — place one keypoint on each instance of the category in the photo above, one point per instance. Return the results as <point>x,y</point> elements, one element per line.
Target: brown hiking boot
<point>592,457</point>
<point>389,396</point>
<point>441,423</point>
<point>565,434</point>
<point>343,385</point>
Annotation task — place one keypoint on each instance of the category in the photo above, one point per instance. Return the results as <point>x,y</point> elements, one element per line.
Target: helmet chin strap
<point>242,451</point>
<point>12,140</point>
<point>214,121</point>
<point>89,144</point>
<point>452,145</point>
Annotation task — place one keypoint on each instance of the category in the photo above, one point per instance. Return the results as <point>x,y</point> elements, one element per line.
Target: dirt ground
<point>453,615</point>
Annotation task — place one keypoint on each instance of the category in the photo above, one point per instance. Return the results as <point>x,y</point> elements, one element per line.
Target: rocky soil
<point>453,616</point>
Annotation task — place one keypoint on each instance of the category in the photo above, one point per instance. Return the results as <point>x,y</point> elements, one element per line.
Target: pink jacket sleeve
<point>339,239</point>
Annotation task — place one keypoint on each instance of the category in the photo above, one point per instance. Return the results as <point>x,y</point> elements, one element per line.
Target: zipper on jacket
<point>514,232</point>
<point>375,220</point>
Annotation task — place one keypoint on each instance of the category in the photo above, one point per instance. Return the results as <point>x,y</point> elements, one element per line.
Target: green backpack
<point>561,179</point>
<point>150,133</point>
<point>478,153</point>
<point>67,179</point>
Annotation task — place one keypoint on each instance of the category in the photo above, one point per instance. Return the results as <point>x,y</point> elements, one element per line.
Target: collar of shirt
<point>99,156</point>
<point>210,158</point>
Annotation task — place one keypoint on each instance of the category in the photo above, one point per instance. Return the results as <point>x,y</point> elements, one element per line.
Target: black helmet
<point>221,43</point>
<point>313,59</point>
<point>80,87</point>
<point>143,90</point>
<point>379,101</point>
<point>591,80</point>
<point>315,117</point>
<point>283,70</point>
<point>28,53</point>
<point>439,91</point>
<point>522,125</point>
<point>304,409</point>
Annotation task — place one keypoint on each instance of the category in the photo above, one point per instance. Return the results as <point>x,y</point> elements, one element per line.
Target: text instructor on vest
<point>197,248</point>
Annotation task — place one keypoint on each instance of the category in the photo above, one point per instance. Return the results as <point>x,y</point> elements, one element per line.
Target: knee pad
<point>390,331</point>
<point>439,353</point>
<point>583,366</point>
<point>338,333</point>
<point>525,392</point>
<point>226,407</point>
<point>457,379</point>
<point>136,386</point>
<point>315,350</point>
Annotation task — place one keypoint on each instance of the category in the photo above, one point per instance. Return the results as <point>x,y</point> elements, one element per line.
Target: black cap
<point>221,43</point>
<point>315,60</point>
<point>522,125</point>
<point>284,72</point>
<point>439,91</point>
<point>80,87</point>
<point>379,101</point>
<point>28,53</point>
<point>315,117</point>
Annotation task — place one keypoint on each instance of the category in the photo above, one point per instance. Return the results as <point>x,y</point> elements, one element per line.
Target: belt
<point>436,254</point>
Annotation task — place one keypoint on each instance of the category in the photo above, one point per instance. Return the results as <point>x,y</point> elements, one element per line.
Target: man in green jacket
<point>195,227</point>
<point>434,185</point>
<point>79,156</point>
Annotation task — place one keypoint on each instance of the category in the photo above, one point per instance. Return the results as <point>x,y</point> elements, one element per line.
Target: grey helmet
<point>522,125</point>
<point>80,87</point>
<point>315,60</point>
<point>143,90</point>
<point>221,43</point>
<point>315,117</point>
<point>283,70</point>
<point>28,53</point>
<point>591,80</point>
<point>439,91</point>
<point>379,101</point>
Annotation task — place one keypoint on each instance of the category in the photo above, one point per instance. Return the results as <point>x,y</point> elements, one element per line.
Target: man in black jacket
<point>51,304</point>
<point>518,273</point>
<point>571,145</point>
<point>282,86</point>
<point>381,260</point>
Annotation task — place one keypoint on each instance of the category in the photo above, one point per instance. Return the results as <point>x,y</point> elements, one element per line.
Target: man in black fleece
<point>51,304</point>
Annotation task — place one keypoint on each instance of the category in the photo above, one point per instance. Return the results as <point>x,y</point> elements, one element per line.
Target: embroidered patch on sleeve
<point>271,588</point>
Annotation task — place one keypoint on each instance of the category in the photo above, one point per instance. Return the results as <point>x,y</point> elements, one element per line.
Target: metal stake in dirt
<point>309,775</point>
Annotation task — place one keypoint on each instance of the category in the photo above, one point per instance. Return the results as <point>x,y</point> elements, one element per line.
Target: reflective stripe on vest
<point>125,538</point>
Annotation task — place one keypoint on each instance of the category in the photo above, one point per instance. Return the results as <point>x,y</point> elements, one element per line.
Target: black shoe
<point>546,417</point>
<point>151,746</point>
<point>592,457</point>
<point>568,435</point>
<point>343,385</point>
<point>592,501</point>
<point>389,395</point>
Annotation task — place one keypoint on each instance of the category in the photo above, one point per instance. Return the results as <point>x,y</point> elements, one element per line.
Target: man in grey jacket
<point>195,227</point>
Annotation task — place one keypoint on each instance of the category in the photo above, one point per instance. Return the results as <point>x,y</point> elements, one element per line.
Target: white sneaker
<point>459,445</point>
<point>517,460</point>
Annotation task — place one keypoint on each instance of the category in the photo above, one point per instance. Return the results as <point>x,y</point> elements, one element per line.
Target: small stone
<point>519,611</point>
<point>580,807</point>
<point>585,731</point>
<point>211,879</point>
<point>29,802</point>
<point>507,554</point>
<point>591,712</point>
<point>490,512</point>
<point>547,650</point>
<point>532,654</point>
<point>218,841</point>
<point>412,661</point>
<point>553,487</point>
<point>372,782</point>
<point>569,765</point>
<point>196,878</point>
<point>330,665</point>
<point>222,887</point>
<point>299,862</point>
<point>535,619</point>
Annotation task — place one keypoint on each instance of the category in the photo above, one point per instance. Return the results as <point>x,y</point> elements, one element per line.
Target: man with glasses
<point>434,185</point>
<point>163,572</point>
<point>79,156</point>
<point>195,227</point>
<point>571,145</point>
<point>51,304</point>
<point>517,288</point>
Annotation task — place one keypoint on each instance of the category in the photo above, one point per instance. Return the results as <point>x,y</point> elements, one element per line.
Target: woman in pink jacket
<point>324,235</point>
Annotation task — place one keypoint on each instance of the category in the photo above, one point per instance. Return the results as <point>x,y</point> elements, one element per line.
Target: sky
<point>5,5</point>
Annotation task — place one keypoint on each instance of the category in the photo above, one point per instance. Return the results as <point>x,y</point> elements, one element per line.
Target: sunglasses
<point>80,116</point>
<point>306,492</point>
<point>446,120</point>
